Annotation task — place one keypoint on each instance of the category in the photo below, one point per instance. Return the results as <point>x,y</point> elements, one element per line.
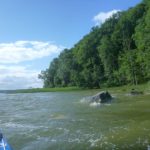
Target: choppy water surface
<point>60,121</point>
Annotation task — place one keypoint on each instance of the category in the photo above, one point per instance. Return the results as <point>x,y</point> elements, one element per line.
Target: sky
<point>33,32</point>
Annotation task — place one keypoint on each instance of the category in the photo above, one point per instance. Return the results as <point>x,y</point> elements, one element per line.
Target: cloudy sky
<point>33,32</point>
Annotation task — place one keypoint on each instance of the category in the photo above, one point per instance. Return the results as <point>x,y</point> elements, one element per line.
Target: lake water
<point>61,121</point>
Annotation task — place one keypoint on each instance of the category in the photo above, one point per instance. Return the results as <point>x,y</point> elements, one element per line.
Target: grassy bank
<point>36,90</point>
<point>123,89</point>
<point>145,88</point>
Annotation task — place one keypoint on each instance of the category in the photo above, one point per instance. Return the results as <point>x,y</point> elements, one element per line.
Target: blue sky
<point>33,32</point>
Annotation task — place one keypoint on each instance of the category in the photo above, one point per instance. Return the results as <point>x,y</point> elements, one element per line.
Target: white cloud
<point>18,77</point>
<point>15,76</point>
<point>103,16</point>
<point>21,51</point>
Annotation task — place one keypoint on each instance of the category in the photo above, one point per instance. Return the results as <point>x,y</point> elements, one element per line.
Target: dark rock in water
<point>102,97</point>
<point>135,92</point>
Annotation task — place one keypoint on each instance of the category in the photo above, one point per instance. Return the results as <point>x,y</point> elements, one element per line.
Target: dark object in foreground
<point>102,97</point>
<point>3,143</point>
<point>135,92</point>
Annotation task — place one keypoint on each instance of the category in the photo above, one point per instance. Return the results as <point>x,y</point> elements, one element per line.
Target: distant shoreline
<point>38,90</point>
<point>126,88</point>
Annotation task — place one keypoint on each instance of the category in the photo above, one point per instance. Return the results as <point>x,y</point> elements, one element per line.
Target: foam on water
<point>85,100</point>
<point>16,125</point>
<point>76,140</point>
<point>22,126</point>
<point>95,104</point>
<point>94,143</point>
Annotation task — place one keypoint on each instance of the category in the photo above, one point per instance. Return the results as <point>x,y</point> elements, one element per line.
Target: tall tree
<point>114,53</point>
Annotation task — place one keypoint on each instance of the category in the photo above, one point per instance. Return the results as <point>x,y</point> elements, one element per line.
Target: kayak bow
<point>3,143</point>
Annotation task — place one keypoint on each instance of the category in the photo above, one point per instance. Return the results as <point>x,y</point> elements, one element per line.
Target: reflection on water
<point>59,121</point>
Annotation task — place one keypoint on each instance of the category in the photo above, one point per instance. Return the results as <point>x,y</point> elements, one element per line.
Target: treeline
<point>115,53</point>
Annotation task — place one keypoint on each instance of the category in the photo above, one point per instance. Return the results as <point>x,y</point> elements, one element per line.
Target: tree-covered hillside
<point>112,54</point>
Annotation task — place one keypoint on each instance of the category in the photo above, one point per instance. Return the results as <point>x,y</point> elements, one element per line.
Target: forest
<point>114,53</point>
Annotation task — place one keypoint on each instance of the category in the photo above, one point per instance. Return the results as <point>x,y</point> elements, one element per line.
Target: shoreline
<point>126,88</point>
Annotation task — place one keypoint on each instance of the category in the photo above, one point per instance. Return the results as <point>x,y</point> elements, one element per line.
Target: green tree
<point>114,53</point>
<point>142,40</point>
<point>48,76</point>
